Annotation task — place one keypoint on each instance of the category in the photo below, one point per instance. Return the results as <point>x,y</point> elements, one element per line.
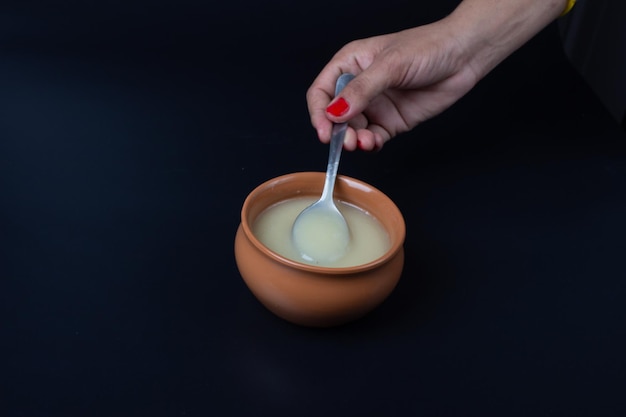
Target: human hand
<point>402,79</point>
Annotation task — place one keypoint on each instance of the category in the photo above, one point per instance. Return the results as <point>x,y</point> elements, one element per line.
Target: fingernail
<point>339,107</point>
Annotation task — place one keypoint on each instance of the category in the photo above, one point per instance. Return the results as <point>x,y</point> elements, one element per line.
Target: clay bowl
<point>312,295</point>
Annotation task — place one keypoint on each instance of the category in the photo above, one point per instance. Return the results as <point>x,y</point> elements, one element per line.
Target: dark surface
<point>130,135</point>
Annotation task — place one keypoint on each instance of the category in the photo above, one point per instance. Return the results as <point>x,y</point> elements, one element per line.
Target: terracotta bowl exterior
<point>311,295</point>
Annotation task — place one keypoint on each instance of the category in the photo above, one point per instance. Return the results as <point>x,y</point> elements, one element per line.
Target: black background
<point>130,134</point>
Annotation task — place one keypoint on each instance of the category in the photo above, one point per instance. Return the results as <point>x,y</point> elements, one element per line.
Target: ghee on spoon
<point>320,233</point>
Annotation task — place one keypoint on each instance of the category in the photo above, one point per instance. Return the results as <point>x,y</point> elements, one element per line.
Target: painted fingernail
<point>339,107</point>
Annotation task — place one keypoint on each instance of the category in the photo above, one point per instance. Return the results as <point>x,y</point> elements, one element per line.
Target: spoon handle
<point>336,144</point>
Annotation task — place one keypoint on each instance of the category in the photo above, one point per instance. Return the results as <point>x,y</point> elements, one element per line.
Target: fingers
<point>350,142</point>
<point>348,106</point>
<point>357,95</point>
<point>322,91</point>
<point>317,97</point>
<point>371,79</point>
<point>363,139</point>
<point>372,138</point>
<point>359,135</point>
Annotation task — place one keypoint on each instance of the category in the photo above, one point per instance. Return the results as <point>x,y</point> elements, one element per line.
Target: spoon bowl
<point>320,232</point>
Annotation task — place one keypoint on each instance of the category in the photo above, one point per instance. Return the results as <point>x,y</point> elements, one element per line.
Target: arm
<point>492,29</point>
<point>407,77</point>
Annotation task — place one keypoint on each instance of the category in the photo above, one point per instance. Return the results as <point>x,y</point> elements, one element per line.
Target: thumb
<point>357,94</point>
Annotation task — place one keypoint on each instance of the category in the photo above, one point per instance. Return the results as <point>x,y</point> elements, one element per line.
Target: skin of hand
<point>407,77</point>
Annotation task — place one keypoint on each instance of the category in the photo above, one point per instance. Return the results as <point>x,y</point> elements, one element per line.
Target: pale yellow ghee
<point>368,238</point>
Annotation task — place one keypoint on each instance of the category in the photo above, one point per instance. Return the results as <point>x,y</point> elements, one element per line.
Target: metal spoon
<point>320,233</point>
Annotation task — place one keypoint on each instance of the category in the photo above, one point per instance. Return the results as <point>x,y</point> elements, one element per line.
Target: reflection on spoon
<point>320,232</point>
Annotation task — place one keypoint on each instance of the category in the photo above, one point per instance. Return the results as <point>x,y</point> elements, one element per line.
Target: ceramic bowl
<point>312,295</point>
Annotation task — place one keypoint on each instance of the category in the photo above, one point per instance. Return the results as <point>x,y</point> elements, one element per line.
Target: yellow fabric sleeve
<point>568,7</point>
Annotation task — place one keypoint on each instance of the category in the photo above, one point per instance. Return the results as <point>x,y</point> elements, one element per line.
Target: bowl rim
<point>386,257</point>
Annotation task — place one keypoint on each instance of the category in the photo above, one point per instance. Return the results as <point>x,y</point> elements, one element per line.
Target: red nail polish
<point>339,107</point>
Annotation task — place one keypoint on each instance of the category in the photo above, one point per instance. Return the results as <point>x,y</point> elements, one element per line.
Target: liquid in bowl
<point>368,238</point>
